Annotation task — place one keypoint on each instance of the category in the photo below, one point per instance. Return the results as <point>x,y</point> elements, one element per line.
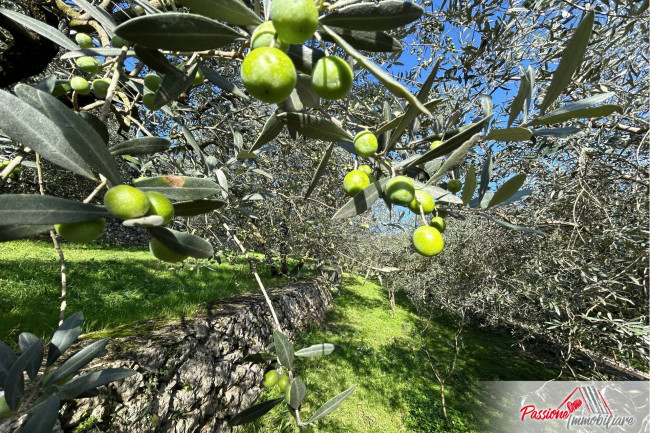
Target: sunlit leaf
<point>78,133</point>
<point>283,348</point>
<point>141,146</point>
<point>486,175</point>
<point>572,57</point>
<point>179,187</point>
<point>331,405</point>
<point>320,170</point>
<point>297,393</point>
<point>469,185</point>
<point>509,188</point>
<point>510,134</point>
<point>29,126</point>
<point>362,201</point>
<point>183,243</point>
<point>317,350</point>
<point>464,133</point>
<point>99,14</point>
<point>455,159</point>
<point>580,109</point>
<point>96,51</point>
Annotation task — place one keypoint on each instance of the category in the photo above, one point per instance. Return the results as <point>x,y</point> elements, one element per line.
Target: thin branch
<point>57,247</point>
<point>253,269</point>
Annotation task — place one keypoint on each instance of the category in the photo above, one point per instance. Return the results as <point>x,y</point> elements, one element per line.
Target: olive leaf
<point>572,57</point>
<point>386,15</point>
<point>254,412</point>
<point>270,131</point>
<point>362,201</point>
<point>36,209</point>
<point>179,187</point>
<point>379,42</point>
<point>231,11</point>
<point>315,127</point>
<point>42,29</point>
<point>79,134</point>
<point>331,405</point>
<point>320,170</point>
<point>183,243</point>
<point>177,31</point>
<point>283,348</point>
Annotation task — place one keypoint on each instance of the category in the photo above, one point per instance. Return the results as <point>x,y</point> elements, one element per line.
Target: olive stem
<point>111,88</point>
<point>321,43</point>
<point>253,269</point>
<point>99,187</point>
<point>424,220</point>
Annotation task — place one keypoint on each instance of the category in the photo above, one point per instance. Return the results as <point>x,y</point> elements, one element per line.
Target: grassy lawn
<point>112,286</point>
<point>396,389</point>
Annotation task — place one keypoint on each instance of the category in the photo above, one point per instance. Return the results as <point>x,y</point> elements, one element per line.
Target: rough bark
<point>29,53</point>
<point>192,375</point>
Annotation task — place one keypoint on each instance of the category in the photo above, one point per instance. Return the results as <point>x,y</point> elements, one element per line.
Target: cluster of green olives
<point>267,71</point>
<point>152,82</point>
<point>365,145</point>
<point>273,378</point>
<point>89,65</point>
<point>125,201</point>
<point>400,191</point>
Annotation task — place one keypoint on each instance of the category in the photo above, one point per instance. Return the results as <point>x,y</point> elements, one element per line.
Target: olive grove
<point>536,107</point>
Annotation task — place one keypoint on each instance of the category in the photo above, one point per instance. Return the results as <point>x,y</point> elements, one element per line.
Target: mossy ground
<point>112,286</point>
<point>396,389</point>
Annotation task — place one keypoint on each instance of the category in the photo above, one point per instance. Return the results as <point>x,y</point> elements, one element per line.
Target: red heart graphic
<point>573,405</point>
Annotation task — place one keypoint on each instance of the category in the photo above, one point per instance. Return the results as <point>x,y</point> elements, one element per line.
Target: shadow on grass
<point>110,292</point>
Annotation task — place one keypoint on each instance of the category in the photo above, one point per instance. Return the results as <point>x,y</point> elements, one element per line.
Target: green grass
<point>396,389</point>
<point>112,286</point>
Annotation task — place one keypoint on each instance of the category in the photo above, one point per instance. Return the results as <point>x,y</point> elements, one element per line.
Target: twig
<point>13,164</point>
<point>111,88</point>
<point>57,247</point>
<point>253,269</point>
